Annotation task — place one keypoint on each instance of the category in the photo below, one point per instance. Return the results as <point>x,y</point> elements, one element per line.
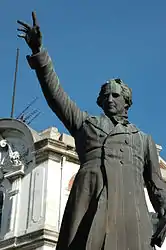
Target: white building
<point>36,174</point>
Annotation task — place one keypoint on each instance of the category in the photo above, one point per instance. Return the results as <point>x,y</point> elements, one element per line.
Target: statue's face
<point>113,100</point>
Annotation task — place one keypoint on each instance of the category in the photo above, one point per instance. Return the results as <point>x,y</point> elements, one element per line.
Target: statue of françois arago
<point>106,208</point>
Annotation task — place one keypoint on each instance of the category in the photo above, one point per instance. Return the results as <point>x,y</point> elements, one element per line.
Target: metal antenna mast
<point>14,85</point>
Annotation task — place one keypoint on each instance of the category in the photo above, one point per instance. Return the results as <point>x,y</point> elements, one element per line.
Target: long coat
<point>106,209</point>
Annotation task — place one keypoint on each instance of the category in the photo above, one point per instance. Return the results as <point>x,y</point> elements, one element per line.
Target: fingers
<point>23,30</point>
<point>34,19</point>
<point>25,25</point>
<point>22,35</point>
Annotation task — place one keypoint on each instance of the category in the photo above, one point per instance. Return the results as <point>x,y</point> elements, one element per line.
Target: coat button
<point>126,141</point>
<point>121,162</point>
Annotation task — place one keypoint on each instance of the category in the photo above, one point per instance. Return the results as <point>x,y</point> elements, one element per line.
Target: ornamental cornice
<point>53,149</point>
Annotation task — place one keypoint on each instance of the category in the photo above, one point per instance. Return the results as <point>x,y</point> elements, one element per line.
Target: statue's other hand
<point>162,212</point>
<point>32,35</point>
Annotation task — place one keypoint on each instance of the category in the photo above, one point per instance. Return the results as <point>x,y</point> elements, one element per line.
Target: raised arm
<point>67,111</point>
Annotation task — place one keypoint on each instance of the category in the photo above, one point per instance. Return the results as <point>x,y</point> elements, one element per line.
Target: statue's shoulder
<point>95,119</point>
<point>133,127</point>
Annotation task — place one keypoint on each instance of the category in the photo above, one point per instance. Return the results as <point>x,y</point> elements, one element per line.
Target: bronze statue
<point>106,208</point>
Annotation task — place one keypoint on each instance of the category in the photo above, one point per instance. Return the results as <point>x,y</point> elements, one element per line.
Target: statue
<point>106,208</point>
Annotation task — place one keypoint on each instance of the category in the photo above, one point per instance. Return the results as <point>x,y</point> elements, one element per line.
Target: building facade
<point>37,170</point>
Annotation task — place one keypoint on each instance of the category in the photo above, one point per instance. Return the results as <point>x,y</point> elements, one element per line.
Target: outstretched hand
<point>31,34</point>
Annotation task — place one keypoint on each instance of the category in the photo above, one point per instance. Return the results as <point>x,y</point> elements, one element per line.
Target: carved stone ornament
<point>7,152</point>
<point>9,159</point>
<point>16,148</point>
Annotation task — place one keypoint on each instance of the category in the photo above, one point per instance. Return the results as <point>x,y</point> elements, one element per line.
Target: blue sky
<point>90,41</point>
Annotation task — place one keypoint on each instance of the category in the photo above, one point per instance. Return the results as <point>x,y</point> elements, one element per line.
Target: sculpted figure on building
<point>106,208</point>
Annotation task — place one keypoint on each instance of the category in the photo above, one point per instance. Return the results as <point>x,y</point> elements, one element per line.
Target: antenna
<point>37,114</point>
<point>30,115</point>
<point>26,116</point>
<point>14,85</point>
<point>27,107</point>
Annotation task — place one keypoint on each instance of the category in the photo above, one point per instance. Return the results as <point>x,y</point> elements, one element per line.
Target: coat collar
<point>104,124</point>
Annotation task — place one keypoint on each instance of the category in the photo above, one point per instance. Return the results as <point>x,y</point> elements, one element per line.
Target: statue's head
<point>115,97</point>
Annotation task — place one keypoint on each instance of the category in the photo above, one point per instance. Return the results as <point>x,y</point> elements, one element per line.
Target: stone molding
<point>31,240</point>
<point>52,149</point>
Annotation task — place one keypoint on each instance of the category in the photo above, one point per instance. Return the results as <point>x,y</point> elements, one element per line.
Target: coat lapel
<point>124,129</point>
<point>104,124</point>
